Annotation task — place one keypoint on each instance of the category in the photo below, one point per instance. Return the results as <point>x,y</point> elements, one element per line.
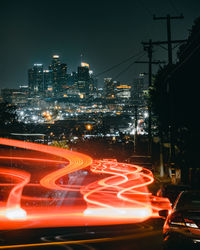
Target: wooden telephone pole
<point>149,48</point>
<point>169,43</point>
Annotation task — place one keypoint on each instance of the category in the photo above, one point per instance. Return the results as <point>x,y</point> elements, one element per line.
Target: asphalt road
<point>147,235</point>
<point>42,191</point>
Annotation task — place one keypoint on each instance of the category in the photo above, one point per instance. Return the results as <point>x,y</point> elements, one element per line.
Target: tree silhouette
<point>8,117</point>
<point>175,99</point>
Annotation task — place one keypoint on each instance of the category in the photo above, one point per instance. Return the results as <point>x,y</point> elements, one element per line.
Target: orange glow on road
<point>73,190</point>
<point>13,208</point>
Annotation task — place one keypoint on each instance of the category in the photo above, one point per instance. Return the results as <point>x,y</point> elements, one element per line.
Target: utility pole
<point>149,48</point>
<point>169,42</point>
<point>136,123</point>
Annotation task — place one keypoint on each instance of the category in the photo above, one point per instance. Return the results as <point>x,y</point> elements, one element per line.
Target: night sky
<point>105,32</point>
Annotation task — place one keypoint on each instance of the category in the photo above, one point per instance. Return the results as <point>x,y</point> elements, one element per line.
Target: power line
<point>195,50</point>
<point>128,67</point>
<point>118,64</point>
<point>169,42</point>
<point>123,71</point>
<point>162,47</point>
<point>173,6</point>
<point>141,3</point>
<point>149,48</point>
<point>175,46</point>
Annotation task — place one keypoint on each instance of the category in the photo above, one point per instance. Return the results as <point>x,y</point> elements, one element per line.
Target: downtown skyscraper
<point>59,74</point>
<point>35,79</point>
<point>40,80</point>
<point>56,82</point>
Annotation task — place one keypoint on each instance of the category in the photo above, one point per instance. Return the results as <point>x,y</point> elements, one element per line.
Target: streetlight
<point>88,127</point>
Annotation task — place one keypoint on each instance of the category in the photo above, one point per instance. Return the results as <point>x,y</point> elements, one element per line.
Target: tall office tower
<point>72,79</point>
<point>93,82</point>
<point>35,79</point>
<point>138,91</point>
<point>59,72</point>
<point>48,79</point>
<point>123,92</point>
<point>109,88</point>
<point>83,76</point>
<point>83,72</point>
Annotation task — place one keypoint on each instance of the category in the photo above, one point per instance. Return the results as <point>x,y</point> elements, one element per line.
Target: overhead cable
<point>118,64</point>
<point>129,66</point>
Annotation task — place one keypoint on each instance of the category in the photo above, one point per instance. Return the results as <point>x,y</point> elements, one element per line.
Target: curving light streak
<point>30,159</point>
<point>77,161</point>
<point>130,175</point>
<point>13,208</point>
<point>112,193</point>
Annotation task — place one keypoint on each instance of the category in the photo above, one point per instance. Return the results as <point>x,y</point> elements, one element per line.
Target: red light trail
<point>40,197</point>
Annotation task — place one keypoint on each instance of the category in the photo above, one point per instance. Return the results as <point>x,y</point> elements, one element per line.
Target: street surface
<point>141,236</point>
<point>52,198</point>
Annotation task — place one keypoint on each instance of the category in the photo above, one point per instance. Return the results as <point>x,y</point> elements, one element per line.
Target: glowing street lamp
<point>88,127</point>
<point>146,115</point>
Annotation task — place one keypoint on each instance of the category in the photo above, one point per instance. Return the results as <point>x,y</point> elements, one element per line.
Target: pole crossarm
<point>155,62</point>
<point>168,16</point>
<point>165,42</point>
<point>169,43</point>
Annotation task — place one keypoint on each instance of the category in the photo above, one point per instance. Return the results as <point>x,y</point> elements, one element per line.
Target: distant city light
<point>56,56</point>
<point>124,87</point>
<point>38,64</point>
<point>34,117</point>
<point>88,127</point>
<point>16,214</point>
<point>83,64</point>
<point>146,114</point>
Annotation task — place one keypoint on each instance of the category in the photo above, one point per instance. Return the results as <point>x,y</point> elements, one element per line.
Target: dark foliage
<point>175,100</point>
<point>8,117</point>
<point>7,114</point>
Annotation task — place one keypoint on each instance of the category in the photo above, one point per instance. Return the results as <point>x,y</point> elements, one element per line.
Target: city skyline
<point>105,33</point>
<point>99,139</point>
